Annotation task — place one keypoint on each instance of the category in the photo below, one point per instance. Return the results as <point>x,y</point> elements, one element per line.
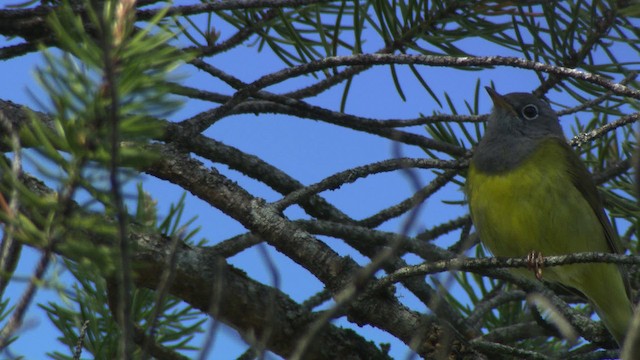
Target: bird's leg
<point>534,260</point>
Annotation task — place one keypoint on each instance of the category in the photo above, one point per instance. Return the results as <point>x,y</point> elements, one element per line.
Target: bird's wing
<point>582,180</point>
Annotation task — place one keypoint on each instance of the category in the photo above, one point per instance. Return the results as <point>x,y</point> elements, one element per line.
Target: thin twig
<point>227,5</point>
<point>10,249</point>
<point>604,24</point>
<point>409,203</point>
<point>495,298</point>
<point>444,228</point>
<point>429,60</point>
<point>80,344</point>
<point>236,244</point>
<point>588,104</point>
<point>477,264</point>
<point>306,110</point>
<point>505,350</point>
<point>583,138</point>
<point>349,176</point>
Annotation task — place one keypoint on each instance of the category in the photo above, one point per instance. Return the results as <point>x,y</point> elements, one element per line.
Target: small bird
<point>528,191</point>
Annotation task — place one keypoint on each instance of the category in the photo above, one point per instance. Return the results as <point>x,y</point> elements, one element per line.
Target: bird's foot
<point>534,260</point>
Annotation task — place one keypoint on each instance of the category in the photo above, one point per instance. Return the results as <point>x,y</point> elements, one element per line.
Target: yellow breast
<point>534,207</point>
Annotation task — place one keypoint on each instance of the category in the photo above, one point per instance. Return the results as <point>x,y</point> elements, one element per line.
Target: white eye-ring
<point>530,112</point>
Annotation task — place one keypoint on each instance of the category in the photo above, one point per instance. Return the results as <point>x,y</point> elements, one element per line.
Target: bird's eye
<point>530,112</point>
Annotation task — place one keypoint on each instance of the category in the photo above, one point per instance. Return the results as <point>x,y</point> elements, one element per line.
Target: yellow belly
<point>535,207</point>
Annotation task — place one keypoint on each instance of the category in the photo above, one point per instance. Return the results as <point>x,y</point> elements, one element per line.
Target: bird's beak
<point>499,101</point>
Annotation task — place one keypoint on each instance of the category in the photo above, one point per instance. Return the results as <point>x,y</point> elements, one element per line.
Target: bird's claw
<point>534,263</point>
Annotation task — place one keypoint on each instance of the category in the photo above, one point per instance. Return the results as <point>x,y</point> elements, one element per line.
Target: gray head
<point>516,125</point>
<point>521,115</point>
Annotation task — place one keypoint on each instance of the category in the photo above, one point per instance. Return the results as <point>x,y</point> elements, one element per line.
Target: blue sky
<point>307,150</point>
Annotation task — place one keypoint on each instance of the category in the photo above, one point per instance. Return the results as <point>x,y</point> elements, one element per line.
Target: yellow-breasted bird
<point>528,191</point>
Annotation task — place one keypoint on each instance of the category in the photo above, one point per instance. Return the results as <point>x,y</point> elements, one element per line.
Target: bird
<point>529,192</point>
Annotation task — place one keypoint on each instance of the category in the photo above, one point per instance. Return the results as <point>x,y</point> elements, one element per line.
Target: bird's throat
<point>501,154</point>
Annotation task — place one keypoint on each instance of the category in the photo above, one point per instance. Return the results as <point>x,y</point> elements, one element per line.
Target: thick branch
<point>334,271</point>
<point>202,275</point>
<point>248,306</point>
